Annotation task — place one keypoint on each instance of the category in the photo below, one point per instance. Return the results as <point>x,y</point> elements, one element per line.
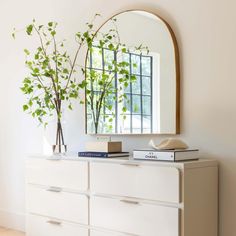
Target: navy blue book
<point>103,154</point>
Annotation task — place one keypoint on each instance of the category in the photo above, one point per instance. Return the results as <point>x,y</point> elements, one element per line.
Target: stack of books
<point>166,155</point>
<point>108,149</point>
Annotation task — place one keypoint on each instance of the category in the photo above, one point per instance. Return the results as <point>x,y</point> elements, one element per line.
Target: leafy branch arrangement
<point>105,88</point>
<point>52,79</point>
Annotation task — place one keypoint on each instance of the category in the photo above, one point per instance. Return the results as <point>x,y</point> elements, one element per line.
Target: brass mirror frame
<point>177,69</point>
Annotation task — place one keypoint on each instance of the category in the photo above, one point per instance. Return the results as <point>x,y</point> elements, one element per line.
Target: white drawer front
<point>42,226</point>
<point>61,205</point>
<point>106,233</point>
<point>61,173</point>
<point>140,181</point>
<point>134,218</point>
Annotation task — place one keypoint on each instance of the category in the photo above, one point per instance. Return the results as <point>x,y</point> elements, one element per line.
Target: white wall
<point>206,34</point>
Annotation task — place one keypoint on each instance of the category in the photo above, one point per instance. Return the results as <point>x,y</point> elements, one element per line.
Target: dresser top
<point>202,162</point>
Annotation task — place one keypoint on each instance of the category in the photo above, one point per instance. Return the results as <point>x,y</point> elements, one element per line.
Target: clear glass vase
<point>54,138</point>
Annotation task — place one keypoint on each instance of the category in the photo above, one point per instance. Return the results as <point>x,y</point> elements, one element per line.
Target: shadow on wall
<point>227,193</point>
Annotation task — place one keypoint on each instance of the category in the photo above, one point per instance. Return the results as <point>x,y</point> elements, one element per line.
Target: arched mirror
<point>132,74</point>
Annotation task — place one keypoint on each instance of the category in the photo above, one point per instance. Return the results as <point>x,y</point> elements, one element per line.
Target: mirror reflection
<point>131,77</point>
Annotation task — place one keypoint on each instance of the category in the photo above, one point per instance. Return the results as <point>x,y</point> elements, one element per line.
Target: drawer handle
<point>54,222</point>
<point>54,189</point>
<point>130,202</point>
<point>129,164</point>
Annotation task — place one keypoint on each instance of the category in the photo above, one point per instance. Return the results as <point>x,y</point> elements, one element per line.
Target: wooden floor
<point>9,232</point>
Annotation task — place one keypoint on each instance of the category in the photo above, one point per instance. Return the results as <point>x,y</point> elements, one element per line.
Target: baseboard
<point>12,220</point>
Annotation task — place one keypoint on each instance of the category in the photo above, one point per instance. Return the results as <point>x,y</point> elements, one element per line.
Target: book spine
<point>92,154</point>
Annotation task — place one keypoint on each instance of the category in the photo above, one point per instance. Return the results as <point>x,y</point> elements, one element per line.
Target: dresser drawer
<point>61,205</point>
<point>59,173</point>
<point>134,217</point>
<point>43,226</point>
<point>106,233</point>
<point>134,180</point>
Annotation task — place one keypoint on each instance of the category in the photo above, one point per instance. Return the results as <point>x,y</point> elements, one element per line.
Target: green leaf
<point>65,71</point>
<point>111,46</point>
<point>29,29</point>
<point>27,80</point>
<point>70,106</point>
<point>50,24</point>
<point>13,35</point>
<point>78,35</point>
<point>26,51</point>
<point>36,70</point>
<point>100,82</point>
<point>133,78</point>
<point>83,84</point>
<point>25,107</point>
<point>47,74</point>
<point>53,33</point>
<point>36,56</point>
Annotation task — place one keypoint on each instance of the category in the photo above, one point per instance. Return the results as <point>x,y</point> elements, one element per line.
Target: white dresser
<point>118,197</point>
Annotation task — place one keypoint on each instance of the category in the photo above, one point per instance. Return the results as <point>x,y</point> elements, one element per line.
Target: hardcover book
<point>166,155</point>
<point>103,154</point>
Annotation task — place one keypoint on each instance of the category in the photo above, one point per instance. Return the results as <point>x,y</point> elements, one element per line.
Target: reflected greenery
<point>108,78</point>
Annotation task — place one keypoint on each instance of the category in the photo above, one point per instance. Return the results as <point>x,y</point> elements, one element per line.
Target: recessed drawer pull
<point>54,189</point>
<point>130,202</point>
<point>129,164</point>
<point>54,222</point>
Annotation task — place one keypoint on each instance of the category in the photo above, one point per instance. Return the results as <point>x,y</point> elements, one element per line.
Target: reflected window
<point>134,113</point>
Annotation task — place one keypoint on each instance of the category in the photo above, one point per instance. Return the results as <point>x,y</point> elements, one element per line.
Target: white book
<point>166,155</point>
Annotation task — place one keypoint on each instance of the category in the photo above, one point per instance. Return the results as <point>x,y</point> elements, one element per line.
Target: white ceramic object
<point>167,144</point>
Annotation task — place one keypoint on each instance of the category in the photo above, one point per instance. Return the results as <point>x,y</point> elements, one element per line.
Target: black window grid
<point>130,93</point>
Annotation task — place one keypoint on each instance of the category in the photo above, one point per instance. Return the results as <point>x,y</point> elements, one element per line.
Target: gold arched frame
<point>177,70</point>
